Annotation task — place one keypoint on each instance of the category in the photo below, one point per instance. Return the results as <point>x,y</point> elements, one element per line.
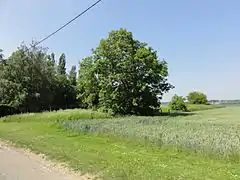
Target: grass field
<point>195,107</point>
<point>215,131</point>
<point>203,145</point>
<point>71,114</point>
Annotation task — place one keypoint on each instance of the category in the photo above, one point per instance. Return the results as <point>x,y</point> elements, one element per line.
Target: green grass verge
<point>114,158</point>
<point>70,114</point>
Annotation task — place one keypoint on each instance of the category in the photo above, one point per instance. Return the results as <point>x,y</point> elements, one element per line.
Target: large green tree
<point>124,75</point>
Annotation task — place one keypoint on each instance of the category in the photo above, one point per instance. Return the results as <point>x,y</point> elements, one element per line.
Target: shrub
<point>7,110</point>
<point>177,103</point>
<point>197,98</point>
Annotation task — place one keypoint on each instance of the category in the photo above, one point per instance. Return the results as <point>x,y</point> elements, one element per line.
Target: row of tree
<point>31,81</point>
<point>122,76</point>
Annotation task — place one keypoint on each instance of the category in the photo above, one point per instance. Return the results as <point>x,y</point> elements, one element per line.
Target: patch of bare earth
<point>21,164</point>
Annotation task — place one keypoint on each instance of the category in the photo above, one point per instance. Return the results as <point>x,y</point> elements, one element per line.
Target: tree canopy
<point>197,98</point>
<point>123,75</point>
<point>62,64</point>
<point>29,81</point>
<point>177,103</point>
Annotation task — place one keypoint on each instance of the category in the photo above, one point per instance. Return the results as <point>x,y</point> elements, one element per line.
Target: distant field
<point>201,145</point>
<point>195,107</point>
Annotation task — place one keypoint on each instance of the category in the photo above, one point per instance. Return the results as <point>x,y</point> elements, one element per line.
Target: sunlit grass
<point>115,158</point>
<point>214,131</point>
<point>129,148</point>
<point>70,114</point>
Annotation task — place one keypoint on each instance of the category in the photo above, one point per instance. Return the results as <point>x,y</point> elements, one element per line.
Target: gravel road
<point>19,164</point>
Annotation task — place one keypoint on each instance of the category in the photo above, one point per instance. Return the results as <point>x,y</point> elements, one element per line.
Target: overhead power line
<point>59,29</point>
<point>66,24</point>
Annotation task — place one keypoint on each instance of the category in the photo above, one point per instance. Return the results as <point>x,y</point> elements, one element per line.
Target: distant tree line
<point>31,81</point>
<point>122,76</point>
<point>179,103</point>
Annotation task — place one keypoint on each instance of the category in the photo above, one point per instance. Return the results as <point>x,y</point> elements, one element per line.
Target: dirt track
<point>19,164</point>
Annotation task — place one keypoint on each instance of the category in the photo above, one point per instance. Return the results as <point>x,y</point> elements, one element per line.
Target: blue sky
<point>200,39</point>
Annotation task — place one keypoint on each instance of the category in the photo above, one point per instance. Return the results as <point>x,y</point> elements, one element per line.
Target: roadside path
<point>19,164</point>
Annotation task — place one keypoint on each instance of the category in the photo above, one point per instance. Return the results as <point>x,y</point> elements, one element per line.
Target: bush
<point>7,110</point>
<point>177,103</point>
<point>197,98</point>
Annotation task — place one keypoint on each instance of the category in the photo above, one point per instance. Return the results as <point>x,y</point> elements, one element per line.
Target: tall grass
<point>71,114</point>
<point>203,132</point>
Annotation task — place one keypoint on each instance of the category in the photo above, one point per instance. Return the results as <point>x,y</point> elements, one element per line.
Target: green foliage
<point>26,76</point>
<point>123,76</point>
<point>88,85</point>
<point>197,98</point>
<point>51,62</point>
<point>177,103</point>
<point>73,76</point>
<point>29,81</point>
<point>12,93</point>
<point>6,110</point>
<point>62,65</point>
<point>164,109</point>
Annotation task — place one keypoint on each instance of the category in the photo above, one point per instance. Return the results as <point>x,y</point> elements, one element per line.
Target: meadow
<point>193,145</point>
<point>215,131</point>
<point>70,114</point>
<point>194,107</point>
